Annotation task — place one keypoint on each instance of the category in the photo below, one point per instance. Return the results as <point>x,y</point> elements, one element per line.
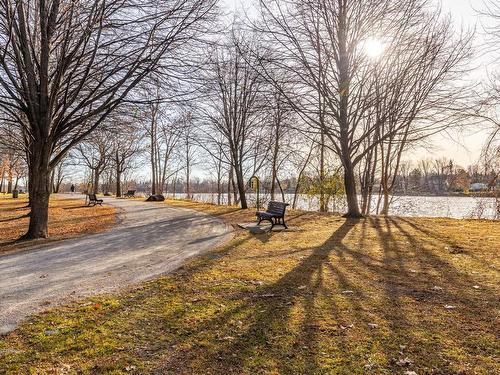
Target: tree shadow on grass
<point>386,300</point>
<point>340,308</point>
<point>15,218</point>
<point>267,313</point>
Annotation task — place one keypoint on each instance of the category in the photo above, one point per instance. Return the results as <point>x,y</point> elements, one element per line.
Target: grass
<point>67,218</point>
<point>370,296</point>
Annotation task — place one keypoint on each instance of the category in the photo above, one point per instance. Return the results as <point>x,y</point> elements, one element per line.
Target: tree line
<point>332,95</point>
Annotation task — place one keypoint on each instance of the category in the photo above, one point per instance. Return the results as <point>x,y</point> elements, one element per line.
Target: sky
<point>464,148</point>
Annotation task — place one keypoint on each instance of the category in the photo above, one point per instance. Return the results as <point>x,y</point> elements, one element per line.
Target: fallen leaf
<point>346,327</point>
<point>404,361</point>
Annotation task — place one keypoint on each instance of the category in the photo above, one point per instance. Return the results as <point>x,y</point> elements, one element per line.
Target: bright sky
<point>464,148</point>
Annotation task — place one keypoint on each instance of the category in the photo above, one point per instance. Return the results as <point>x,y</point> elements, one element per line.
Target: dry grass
<point>67,218</point>
<point>370,296</point>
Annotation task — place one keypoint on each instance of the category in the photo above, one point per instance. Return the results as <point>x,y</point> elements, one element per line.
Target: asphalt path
<point>151,239</point>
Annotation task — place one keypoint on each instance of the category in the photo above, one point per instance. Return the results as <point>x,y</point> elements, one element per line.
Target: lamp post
<point>255,185</point>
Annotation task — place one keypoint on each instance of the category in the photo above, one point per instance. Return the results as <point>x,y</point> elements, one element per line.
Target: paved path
<point>152,239</point>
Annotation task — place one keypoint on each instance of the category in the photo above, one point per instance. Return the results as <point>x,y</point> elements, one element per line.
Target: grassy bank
<point>67,218</point>
<point>377,295</point>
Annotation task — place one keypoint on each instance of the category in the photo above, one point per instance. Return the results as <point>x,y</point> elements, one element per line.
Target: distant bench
<point>275,214</point>
<point>93,200</point>
<point>129,194</point>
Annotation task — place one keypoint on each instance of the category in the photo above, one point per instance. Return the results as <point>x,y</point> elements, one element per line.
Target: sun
<point>373,48</point>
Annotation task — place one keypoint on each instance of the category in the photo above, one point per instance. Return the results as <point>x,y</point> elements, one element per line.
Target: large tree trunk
<point>350,189</point>
<point>241,188</point>
<point>39,191</point>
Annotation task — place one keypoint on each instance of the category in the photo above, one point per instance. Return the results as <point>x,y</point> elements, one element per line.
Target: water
<point>407,206</point>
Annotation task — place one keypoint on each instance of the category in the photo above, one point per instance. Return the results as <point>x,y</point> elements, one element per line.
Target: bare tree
<point>322,43</point>
<point>96,154</point>
<point>125,146</point>
<point>66,65</point>
<point>232,106</point>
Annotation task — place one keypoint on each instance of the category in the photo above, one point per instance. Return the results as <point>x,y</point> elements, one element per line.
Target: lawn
<point>67,218</point>
<point>334,296</point>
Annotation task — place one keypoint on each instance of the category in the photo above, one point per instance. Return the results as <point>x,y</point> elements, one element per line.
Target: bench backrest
<point>277,208</point>
<point>92,197</point>
<point>131,192</point>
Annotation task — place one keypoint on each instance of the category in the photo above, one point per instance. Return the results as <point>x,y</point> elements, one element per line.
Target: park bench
<point>129,194</point>
<point>93,200</point>
<point>275,214</point>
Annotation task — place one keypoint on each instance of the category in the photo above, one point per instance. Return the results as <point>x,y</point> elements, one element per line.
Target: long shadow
<point>445,272</point>
<point>269,310</point>
<point>271,307</point>
<point>15,218</point>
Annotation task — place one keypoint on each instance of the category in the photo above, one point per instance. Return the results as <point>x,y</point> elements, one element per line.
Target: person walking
<point>72,188</point>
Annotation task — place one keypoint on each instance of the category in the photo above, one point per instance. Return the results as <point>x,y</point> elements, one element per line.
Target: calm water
<point>410,206</point>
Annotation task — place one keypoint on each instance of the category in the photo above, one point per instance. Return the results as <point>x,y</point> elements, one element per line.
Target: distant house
<point>478,186</point>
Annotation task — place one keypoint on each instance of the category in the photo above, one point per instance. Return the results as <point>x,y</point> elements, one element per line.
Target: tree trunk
<point>274,163</point>
<point>241,188</point>
<point>385,206</point>
<point>118,183</point>
<point>9,186</point>
<point>52,181</point>
<point>229,182</point>
<point>39,191</point>
<point>2,178</point>
<point>345,136</point>
<point>322,204</point>
<point>188,178</point>
<point>97,176</point>
<point>350,189</point>
<point>219,187</point>
<point>153,153</point>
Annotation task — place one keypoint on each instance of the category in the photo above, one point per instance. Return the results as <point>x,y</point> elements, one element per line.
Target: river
<point>408,206</point>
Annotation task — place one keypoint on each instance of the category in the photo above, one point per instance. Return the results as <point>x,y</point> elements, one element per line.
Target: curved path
<point>151,239</point>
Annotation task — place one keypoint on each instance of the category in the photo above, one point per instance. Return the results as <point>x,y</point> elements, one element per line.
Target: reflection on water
<point>410,206</point>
